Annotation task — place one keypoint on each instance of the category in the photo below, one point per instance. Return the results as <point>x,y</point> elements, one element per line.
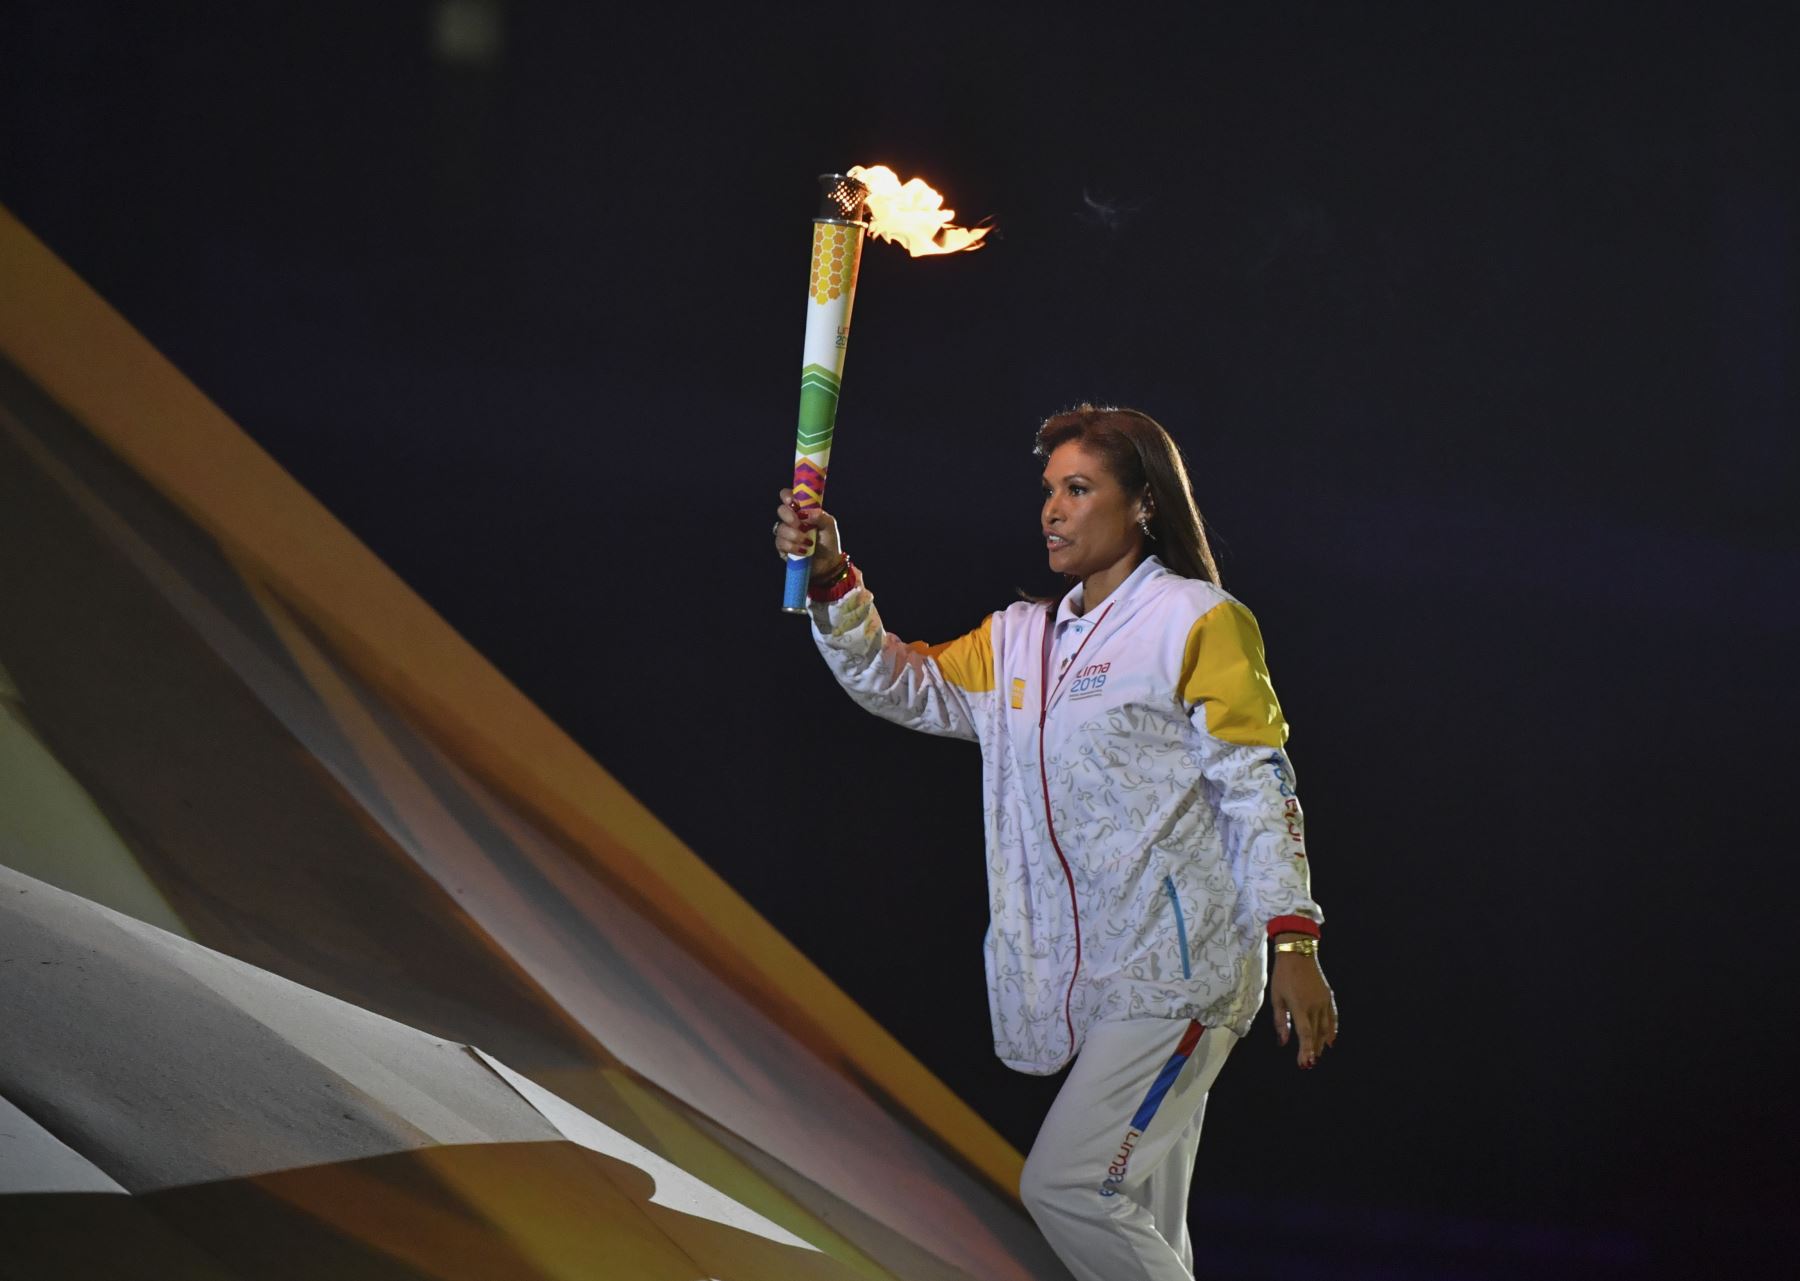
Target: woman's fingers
<point>803,531</point>
<point>793,539</point>
<point>1309,1040</point>
<point>1319,1026</point>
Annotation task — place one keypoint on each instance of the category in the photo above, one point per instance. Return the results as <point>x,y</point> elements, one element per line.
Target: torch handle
<point>793,590</point>
<point>830,293</point>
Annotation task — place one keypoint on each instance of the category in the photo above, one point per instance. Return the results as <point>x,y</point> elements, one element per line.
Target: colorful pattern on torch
<point>830,293</point>
<point>836,253</point>
<point>809,485</point>
<point>818,408</point>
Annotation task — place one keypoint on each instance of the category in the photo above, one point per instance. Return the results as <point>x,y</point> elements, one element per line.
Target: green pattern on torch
<point>818,408</point>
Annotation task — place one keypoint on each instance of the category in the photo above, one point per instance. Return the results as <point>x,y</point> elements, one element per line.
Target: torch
<point>912,215</point>
<point>830,293</point>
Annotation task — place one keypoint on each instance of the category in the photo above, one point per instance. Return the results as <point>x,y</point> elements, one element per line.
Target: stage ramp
<point>324,952</point>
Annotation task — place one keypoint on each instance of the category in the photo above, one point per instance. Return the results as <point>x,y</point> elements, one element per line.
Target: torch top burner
<point>841,198</point>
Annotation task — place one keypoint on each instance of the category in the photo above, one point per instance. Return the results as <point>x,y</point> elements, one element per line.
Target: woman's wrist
<point>834,583</point>
<point>829,575</point>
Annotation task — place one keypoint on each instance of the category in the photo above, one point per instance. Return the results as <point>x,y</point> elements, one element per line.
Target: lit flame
<point>911,214</point>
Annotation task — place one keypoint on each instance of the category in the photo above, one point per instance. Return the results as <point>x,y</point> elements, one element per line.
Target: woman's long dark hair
<point>1142,457</point>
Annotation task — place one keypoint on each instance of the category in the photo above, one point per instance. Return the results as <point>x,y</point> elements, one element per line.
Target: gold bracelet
<point>1306,946</point>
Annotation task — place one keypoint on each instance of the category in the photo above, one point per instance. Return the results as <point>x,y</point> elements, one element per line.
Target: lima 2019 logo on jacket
<point>1089,681</point>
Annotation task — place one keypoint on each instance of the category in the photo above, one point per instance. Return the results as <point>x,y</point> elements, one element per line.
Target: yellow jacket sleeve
<point>1223,671</point>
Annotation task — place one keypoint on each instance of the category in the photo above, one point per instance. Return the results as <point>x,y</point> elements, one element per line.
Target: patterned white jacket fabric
<point>1143,834</point>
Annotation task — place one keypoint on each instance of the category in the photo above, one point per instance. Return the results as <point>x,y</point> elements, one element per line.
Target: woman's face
<point>1090,522</point>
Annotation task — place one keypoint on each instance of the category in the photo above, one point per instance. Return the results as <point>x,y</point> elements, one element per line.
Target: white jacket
<point>1142,830</point>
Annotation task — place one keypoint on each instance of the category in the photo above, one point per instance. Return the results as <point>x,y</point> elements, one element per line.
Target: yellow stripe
<point>966,662</point>
<point>1223,668</point>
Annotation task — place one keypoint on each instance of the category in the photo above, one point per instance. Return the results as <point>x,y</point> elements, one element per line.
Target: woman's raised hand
<point>814,531</point>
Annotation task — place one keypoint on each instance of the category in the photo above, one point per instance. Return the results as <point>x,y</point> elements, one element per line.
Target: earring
<point>1144,527</point>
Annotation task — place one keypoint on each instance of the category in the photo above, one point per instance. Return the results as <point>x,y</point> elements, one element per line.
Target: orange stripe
<point>966,662</point>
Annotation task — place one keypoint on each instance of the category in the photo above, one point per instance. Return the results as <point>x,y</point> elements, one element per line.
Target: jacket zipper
<point>1180,925</point>
<point>1049,822</point>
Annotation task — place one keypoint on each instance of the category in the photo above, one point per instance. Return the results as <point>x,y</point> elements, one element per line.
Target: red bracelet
<point>1293,925</point>
<point>840,584</point>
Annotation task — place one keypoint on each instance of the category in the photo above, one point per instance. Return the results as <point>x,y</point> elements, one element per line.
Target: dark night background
<point>1478,325</point>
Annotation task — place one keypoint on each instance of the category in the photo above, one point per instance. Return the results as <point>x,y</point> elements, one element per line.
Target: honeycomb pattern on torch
<point>834,258</point>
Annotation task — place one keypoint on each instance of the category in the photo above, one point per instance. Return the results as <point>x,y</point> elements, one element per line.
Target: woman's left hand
<point>1302,1002</point>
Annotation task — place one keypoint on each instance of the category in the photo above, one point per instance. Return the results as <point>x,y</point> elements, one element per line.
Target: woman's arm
<point>1232,704</point>
<point>934,689</point>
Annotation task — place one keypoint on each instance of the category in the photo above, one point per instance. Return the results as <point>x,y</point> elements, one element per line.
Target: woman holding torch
<point>1144,839</point>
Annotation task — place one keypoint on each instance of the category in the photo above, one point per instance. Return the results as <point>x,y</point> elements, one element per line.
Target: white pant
<point>1107,1178</point>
